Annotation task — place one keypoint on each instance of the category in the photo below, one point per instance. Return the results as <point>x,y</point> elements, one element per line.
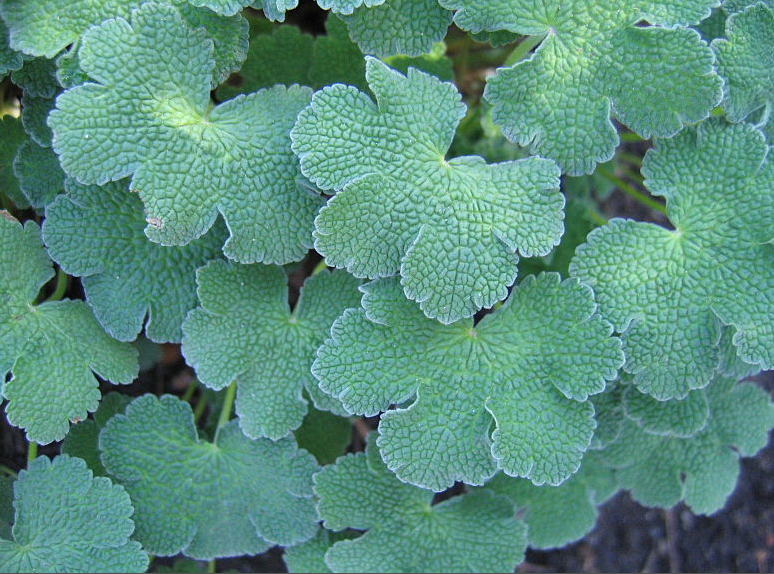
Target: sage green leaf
<point>53,350</point>
<point>450,228</point>
<point>37,77</point>
<point>11,138</point>
<point>527,370</point>
<point>147,281</point>
<point>6,506</point>
<point>234,159</point>
<point>69,521</point>
<point>347,6</point>
<point>595,63</point>
<point>241,495</point>
<point>681,418</point>
<point>34,115</point>
<point>746,61</point>
<point>701,470</point>
<point>325,435</point>
<point>558,515</point>
<point>275,10</point>
<point>668,292</point>
<point>39,174</point>
<point>244,330</point>
<point>10,59</point>
<point>407,27</point>
<point>475,532</point>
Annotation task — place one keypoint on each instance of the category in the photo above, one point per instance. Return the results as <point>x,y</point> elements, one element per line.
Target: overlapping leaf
<point>241,495</point>
<point>245,331</point>
<point>475,532</point>
<point>189,161</point>
<point>668,292</point>
<point>596,61</point>
<point>147,280</point>
<point>681,418</point>
<point>701,470</point>
<point>10,59</point>
<point>449,227</point>
<point>275,9</point>
<point>69,521</point>
<point>526,369</point>
<point>746,61</point>
<point>556,516</point>
<point>11,138</point>
<point>407,27</point>
<point>39,174</point>
<point>52,349</point>
<point>46,27</point>
<point>286,56</point>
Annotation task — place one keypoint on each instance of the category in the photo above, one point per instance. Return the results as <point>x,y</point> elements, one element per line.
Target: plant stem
<point>211,569</point>
<point>524,47</point>
<point>190,390</point>
<point>32,452</point>
<point>225,411</point>
<point>596,217</point>
<point>319,267</point>
<point>632,192</point>
<point>9,471</point>
<point>630,137</point>
<point>61,286</point>
<point>631,158</point>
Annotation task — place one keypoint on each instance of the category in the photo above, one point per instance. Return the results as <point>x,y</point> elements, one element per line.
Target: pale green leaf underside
<point>189,163</point>
<point>392,27</point>
<point>46,27</point>
<point>87,228</point>
<point>526,370</point>
<point>449,228</point>
<point>287,56</point>
<point>556,516</point>
<point>668,292</point>
<point>244,330</point>
<point>69,521</point>
<point>52,350</point>
<point>594,64</point>
<point>746,61</point>
<point>701,470</point>
<point>241,495</point>
<point>475,532</point>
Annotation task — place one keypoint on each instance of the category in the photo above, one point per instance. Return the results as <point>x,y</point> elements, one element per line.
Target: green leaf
<point>527,369</point>
<point>245,331</point>
<point>275,10</point>
<point>148,280</point>
<point>37,78</point>
<point>609,414</point>
<point>234,496</point>
<point>69,521</point>
<point>82,440</point>
<point>405,533</point>
<point>435,63</point>
<point>286,56</point>
<point>668,292</point>
<point>732,364</point>
<point>681,418</point>
<point>324,434</point>
<point>558,515</point>
<point>40,176</point>
<point>234,159</point>
<point>407,27</point>
<point>746,61</point>
<point>68,69</point>
<point>10,59</point>
<point>11,138</point>
<point>701,470</point>
<point>450,228</point>
<point>347,6</point>
<point>6,506</point>
<point>46,27</point>
<point>310,555</point>
<point>35,112</point>
<point>53,350</point>
<point>596,61</point>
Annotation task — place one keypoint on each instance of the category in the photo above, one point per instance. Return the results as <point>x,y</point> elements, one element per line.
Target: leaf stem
<point>319,267</point>
<point>225,411</point>
<point>631,158</point>
<point>211,568</point>
<point>61,286</point>
<point>32,451</point>
<point>632,192</point>
<point>201,404</point>
<point>631,137</point>
<point>190,390</point>
<point>596,217</point>
<point>524,47</point>
<point>9,471</point>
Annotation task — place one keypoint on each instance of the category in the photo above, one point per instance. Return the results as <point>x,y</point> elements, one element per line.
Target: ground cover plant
<point>376,285</point>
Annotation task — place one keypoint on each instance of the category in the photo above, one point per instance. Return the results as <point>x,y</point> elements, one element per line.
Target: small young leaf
<point>245,331</point>
<point>472,532</point>
<point>85,229</point>
<point>234,159</point>
<point>69,521</point>
<point>230,497</point>
<point>558,515</point>
<point>596,60</point>
<point>746,61</point>
<point>407,27</point>
<point>527,369</point>
<point>450,228</point>
<point>701,470</point>
<point>54,349</point>
<point>668,292</point>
